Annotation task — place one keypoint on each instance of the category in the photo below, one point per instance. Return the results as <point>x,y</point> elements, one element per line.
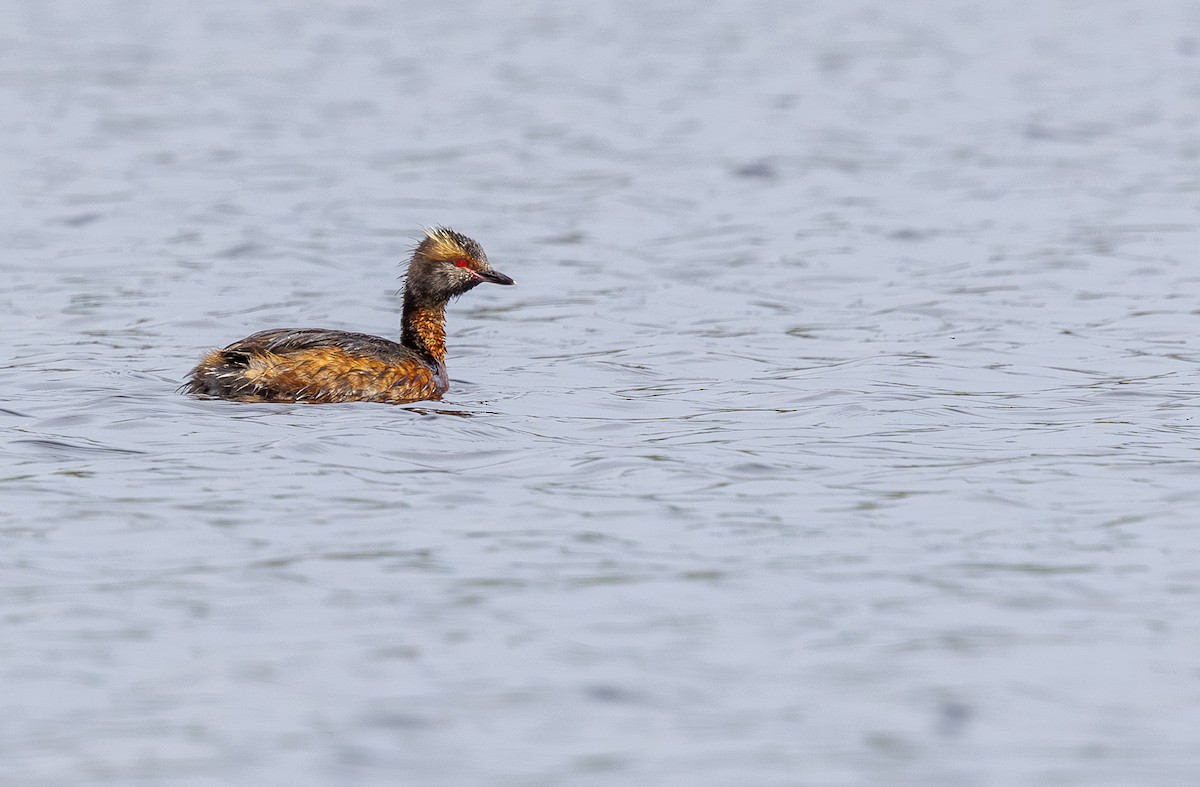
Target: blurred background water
<point>840,430</point>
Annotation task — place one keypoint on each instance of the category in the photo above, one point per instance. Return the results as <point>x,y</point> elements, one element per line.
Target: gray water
<point>840,430</point>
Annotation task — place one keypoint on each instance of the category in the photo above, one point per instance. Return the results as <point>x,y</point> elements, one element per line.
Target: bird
<point>318,365</point>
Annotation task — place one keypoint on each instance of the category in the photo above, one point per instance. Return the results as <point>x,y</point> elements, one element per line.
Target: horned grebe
<point>314,365</point>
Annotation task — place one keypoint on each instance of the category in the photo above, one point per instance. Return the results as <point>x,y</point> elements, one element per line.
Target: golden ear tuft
<point>443,243</point>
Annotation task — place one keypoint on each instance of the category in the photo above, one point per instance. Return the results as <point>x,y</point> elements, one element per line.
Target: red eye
<point>460,262</point>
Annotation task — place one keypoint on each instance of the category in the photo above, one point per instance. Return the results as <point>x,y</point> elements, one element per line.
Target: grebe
<point>314,365</point>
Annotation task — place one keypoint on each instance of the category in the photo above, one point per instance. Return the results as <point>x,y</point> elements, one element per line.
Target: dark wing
<point>285,341</point>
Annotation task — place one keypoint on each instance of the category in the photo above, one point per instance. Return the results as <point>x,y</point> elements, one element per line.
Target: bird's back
<point>316,365</point>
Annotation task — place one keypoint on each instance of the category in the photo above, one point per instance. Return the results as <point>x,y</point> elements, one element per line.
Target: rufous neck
<point>423,328</point>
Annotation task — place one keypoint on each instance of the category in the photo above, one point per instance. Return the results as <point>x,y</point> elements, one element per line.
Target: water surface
<point>839,431</point>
